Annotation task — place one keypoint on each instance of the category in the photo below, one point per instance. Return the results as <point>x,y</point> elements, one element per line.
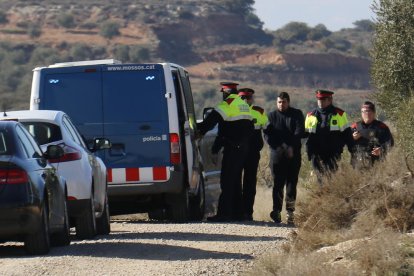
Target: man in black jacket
<point>284,133</point>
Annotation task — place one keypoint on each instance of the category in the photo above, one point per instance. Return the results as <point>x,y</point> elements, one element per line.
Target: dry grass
<point>356,223</point>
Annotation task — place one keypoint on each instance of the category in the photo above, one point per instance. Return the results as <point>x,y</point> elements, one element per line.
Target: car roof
<point>28,115</point>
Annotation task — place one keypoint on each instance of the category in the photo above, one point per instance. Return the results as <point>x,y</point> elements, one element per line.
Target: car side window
<point>76,132</point>
<point>71,131</point>
<point>29,145</point>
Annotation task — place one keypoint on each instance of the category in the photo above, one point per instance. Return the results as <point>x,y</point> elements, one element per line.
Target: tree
<point>393,66</point>
<point>365,25</point>
<point>242,7</point>
<point>318,32</point>
<point>293,32</point>
<point>109,29</point>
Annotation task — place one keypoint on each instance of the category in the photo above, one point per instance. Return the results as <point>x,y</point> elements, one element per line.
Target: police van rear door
<point>135,117</point>
<point>77,92</point>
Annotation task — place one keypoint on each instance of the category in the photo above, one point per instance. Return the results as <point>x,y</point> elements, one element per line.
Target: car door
<point>98,172</point>
<point>190,129</point>
<point>43,170</point>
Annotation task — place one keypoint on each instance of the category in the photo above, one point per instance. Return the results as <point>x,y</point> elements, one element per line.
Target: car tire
<point>178,210</point>
<point>103,223</point>
<point>38,243</point>
<point>198,202</point>
<point>86,222</point>
<point>62,238</point>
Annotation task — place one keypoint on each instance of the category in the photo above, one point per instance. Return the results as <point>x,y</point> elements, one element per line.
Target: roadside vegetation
<point>361,222</point>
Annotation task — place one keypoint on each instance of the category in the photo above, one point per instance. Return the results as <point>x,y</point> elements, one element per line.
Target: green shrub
<point>81,52</point>
<point>34,30</point>
<point>121,52</point>
<point>3,18</point>
<point>66,20</point>
<point>139,54</point>
<point>109,30</point>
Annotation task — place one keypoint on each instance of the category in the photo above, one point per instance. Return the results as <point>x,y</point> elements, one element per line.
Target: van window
<point>133,96</point>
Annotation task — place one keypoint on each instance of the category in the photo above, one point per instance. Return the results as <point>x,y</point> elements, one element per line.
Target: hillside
<point>215,40</point>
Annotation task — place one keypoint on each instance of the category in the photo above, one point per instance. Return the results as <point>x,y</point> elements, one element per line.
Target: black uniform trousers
<point>249,180</point>
<point>230,200</point>
<point>285,173</point>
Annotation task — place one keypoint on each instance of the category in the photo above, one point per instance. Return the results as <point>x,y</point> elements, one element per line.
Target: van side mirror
<point>100,144</point>
<point>53,152</point>
<point>206,111</point>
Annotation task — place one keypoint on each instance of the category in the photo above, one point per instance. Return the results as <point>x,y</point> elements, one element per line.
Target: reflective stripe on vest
<point>233,109</point>
<point>337,123</point>
<point>260,120</point>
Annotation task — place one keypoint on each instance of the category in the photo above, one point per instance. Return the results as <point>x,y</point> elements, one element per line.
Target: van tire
<point>86,222</point>
<point>38,243</point>
<point>178,206</point>
<point>103,223</point>
<point>62,238</point>
<point>198,202</point>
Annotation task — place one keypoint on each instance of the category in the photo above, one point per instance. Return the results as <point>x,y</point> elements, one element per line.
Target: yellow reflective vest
<point>233,108</point>
<point>260,119</point>
<point>337,122</point>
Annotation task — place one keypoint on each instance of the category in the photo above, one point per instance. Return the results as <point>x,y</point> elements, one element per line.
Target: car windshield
<point>44,133</point>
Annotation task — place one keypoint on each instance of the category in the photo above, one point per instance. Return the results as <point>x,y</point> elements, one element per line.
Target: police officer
<point>328,131</point>
<point>284,134</point>
<point>253,156</point>
<point>235,126</point>
<point>372,137</point>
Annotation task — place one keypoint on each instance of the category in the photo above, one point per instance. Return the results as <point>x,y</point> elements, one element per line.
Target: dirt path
<point>141,247</point>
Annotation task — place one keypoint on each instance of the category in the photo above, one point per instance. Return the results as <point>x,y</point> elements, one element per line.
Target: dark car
<point>32,195</point>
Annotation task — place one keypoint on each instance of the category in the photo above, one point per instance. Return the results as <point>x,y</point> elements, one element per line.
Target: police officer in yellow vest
<point>252,161</point>
<point>235,128</point>
<point>328,131</point>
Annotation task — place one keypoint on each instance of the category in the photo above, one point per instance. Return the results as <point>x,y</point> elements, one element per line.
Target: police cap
<point>320,94</point>
<point>246,92</point>
<point>229,87</point>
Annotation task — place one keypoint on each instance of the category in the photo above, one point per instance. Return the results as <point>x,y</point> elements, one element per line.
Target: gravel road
<point>137,246</point>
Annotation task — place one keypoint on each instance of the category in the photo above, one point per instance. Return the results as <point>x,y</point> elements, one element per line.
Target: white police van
<point>147,112</point>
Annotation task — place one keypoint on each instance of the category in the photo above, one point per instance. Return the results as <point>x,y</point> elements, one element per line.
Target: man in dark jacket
<point>328,131</point>
<point>372,137</point>
<point>235,128</point>
<point>284,133</point>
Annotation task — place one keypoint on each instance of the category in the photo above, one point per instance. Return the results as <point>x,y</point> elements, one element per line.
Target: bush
<point>34,30</point>
<point>139,54</point>
<point>121,52</point>
<point>109,30</point>
<point>66,20</point>
<point>318,32</point>
<point>81,52</point>
<point>3,18</point>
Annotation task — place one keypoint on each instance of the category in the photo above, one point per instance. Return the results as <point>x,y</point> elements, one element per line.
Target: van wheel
<point>62,238</point>
<point>103,223</point>
<point>38,243</point>
<point>86,222</point>
<point>198,202</point>
<point>178,204</point>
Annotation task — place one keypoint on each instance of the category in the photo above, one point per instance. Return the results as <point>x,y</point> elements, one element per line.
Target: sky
<point>334,14</point>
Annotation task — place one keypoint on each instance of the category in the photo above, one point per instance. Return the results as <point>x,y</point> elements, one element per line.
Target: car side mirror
<point>207,111</point>
<point>53,152</point>
<point>100,144</point>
